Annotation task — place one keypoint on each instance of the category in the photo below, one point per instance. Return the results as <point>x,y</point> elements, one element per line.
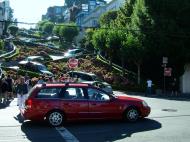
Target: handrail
<point>117,67</point>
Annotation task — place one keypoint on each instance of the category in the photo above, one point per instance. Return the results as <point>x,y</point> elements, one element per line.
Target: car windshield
<point>71,52</point>
<point>42,67</point>
<point>96,78</point>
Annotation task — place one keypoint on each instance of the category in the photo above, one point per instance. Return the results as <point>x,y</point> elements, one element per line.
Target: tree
<point>1,44</point>
<point>13,30</point>
<point>135,53</point>
<point>87,41</point>
<point>124,14</point>
<point>57,32</point>
<point>48,27</point>
<point>69,32</point>
<point>107,18</point>
<point>99,40</point>
<point>113,44</point>
<point>40,24</point>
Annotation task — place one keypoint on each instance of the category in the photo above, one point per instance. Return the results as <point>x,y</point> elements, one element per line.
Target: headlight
<point>144,104</point>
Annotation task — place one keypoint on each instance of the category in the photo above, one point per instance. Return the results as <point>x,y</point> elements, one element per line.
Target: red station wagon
<point>57,103</point>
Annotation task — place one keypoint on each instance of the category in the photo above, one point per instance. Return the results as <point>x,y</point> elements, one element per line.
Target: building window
<point>58,10</point>
<point>1,11</point>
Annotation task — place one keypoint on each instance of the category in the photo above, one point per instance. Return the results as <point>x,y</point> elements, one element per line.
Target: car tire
<point>55,118</point>
<point>131,114</point>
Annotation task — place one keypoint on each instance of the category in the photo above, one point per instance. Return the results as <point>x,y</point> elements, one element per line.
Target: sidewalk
<point>9,114</point>
<point>164,96</point>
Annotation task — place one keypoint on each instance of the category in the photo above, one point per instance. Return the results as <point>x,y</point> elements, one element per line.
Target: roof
<point>71,84</point>
<point>83,72</point>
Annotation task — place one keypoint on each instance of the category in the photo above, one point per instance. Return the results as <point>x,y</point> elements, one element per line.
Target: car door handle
<point>93,104</point>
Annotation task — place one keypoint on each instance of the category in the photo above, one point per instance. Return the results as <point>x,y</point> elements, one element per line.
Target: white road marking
<point>68,137</point>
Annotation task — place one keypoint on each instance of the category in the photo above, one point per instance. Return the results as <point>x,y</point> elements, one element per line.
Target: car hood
<point>126,98</point>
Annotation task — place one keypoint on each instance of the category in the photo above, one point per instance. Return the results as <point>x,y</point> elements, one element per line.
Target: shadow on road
<point>90,131</point>
<point>110,130</point>
<point>3,105</point>
<point>40,132</point>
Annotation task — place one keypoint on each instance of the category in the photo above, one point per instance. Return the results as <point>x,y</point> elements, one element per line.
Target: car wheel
<point>55,118</point>
<point>131,114</point>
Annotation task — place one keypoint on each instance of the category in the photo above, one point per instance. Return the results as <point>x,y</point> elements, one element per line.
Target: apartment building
<point>4,14</point>
<point>55,14</point>
<point>91,19</point>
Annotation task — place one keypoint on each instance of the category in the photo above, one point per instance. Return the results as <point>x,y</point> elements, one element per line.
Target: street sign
<point>165,60</point>
<point>167,71</point>
<point>73,63</point>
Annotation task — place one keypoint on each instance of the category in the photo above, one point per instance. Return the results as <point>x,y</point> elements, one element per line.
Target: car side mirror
<point>112,98</point>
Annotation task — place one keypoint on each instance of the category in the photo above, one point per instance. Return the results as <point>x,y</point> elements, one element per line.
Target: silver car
<point>92,79</point>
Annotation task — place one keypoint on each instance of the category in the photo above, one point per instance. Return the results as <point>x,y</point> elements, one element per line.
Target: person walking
<point>41,79</point>
<point>4,86</point>
<point>174,87</point>
<point>22,90</point>
<point>10,83</point>
<point>149,87</point>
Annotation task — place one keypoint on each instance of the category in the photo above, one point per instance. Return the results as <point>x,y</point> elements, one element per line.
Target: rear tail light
<point>28,103</point>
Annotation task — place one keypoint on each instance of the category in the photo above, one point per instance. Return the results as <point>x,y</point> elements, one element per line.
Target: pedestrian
<point>149,87</point>
<point>28,82</point>
<point>174,87</point>
<point>10,83</point>
<point>4,86</point>
<point>22,90</point>
<point>41,79</point>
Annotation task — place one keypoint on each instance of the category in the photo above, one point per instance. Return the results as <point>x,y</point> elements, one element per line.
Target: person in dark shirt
<point>3,86</point>
<point>10,82</point>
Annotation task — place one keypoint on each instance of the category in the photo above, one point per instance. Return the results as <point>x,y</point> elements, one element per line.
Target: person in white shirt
<point>149,87</point>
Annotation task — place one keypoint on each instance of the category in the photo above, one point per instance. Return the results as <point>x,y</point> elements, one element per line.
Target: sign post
<point>164,61</point>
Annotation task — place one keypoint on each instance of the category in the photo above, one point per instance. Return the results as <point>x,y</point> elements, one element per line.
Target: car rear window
<point>49,93</point>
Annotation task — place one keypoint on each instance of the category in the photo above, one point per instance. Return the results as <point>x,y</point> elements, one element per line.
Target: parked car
<point>91,79</point>
<point>35,67</point>
<point>73,53</point>
<point>57,103</point>
<point>103,85</point>
<point>34,58</point>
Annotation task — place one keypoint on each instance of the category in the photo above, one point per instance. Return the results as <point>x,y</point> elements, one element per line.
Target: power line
<point>145,30</point>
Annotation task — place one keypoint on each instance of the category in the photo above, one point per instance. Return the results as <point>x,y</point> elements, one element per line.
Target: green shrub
<point>30,73</point>
<point>1,45</point>
<point>13,55</point>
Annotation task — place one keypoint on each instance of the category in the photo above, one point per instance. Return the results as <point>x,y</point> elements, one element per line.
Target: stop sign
<point>73,63</point>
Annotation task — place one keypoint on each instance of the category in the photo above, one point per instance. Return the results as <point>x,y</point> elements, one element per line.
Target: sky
<point>31,11</point>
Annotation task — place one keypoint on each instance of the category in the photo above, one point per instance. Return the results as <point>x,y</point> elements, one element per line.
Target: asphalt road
<point>168,122</point>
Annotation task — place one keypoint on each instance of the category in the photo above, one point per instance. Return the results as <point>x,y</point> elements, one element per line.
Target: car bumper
<point>27,114</point>
<point>145,111</point>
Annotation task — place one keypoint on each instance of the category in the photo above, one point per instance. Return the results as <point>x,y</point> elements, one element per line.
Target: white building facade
<point>91,20</point>
<point>114,5</point>
<point>185,80</point>
<point>4,13</point>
